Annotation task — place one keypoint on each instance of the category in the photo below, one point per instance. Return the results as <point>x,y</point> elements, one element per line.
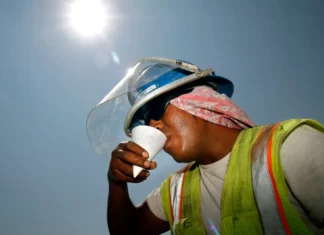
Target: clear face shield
<point>109,122</point>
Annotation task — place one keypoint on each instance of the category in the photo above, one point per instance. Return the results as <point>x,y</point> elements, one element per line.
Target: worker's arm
<point>122,216</point>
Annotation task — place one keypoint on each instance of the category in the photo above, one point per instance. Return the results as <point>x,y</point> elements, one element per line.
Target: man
<point>240,179</point>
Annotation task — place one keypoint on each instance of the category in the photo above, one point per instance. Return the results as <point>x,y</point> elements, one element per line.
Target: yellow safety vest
<point>255,195</point>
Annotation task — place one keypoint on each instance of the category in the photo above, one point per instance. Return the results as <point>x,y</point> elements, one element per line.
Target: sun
<point>88,17</point>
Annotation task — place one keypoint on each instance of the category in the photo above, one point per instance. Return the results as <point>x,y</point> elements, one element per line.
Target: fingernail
<point>145,154</point>
<point>147,164</point>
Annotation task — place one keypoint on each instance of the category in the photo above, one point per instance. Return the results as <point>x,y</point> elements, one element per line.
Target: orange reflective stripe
<point>274,185</point>
<point>182,189</point>
<point>171,209</point>
<point>175,189</point>
<point>181,195</point>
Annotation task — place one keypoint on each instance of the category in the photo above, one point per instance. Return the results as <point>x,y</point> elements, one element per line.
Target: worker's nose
<point>156,124</point>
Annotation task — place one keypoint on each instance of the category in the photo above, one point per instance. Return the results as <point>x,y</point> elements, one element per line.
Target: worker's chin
<point>172,146</point>
<point>168,147</point>
<point>168,151</point>
<point>173,154</point>
<point>181,160</point>
<point>177,156</point>
<point>175,149</point>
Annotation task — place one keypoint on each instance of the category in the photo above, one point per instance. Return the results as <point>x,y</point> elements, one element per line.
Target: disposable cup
<point>150,139</point>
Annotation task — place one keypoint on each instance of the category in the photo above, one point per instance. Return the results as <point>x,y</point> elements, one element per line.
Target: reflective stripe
<point>181,195</point>
<point>176,191</point>
<point>274,183</point>
<point>263,187</point>
<point>171,210</point>
<point>175,194</point>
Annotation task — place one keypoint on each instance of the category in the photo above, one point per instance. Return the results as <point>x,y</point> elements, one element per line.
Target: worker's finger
<point>135,148</point>
<point>153,166</point>
<point>132,158</point>
<point>119,175</point>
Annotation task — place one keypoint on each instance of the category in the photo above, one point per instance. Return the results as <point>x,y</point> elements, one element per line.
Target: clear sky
<point>51,181</point>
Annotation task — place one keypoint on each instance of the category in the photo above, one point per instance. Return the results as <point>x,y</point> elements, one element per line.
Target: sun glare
<point>88,17</point>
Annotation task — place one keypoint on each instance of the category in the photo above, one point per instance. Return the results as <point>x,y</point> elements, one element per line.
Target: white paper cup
<point>150,139</point>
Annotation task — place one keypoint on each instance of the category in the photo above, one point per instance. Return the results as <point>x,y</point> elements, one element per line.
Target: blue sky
<point>51,180</point>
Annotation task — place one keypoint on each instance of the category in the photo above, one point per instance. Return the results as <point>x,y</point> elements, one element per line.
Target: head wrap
<point>206,103</point>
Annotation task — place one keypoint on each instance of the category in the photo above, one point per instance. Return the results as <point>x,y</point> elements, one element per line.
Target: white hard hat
<point>149,79</point>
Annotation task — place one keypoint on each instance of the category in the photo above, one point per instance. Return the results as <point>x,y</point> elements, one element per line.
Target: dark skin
<point>189,138</point>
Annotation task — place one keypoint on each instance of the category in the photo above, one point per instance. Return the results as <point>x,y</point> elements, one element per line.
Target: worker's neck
<point>216,143</point>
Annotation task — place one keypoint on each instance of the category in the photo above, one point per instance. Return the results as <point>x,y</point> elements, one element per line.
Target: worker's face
<point>183,132</point>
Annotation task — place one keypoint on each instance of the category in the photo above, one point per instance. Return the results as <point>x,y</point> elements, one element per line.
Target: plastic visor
<point>105,123</point>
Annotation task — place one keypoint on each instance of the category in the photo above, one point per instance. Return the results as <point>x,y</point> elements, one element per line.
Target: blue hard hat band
<point>161,81</point>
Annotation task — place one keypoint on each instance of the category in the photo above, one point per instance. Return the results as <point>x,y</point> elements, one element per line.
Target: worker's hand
<point>122,160</point>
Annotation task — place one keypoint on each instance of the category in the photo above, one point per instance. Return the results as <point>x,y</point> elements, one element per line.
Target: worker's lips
<point>167,144</point>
